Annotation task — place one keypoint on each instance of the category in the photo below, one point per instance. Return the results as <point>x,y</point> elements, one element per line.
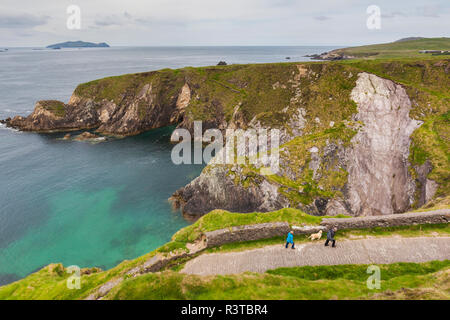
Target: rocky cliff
<point>360,138</point>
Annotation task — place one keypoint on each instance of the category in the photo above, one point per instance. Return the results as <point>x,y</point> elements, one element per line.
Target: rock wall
<point>215,189</point>
<point>393,220</point>
<point>246,233</point>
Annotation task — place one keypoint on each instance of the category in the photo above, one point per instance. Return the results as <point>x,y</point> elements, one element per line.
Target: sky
<point>219,23</point>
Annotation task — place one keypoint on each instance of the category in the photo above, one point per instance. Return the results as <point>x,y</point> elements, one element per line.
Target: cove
<point>87,205</point>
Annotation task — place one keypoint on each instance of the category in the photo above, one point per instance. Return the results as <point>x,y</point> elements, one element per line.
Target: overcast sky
<point>212,22</point>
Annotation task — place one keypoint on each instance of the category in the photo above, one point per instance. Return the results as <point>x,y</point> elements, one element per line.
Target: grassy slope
<point>403,49</point>
<point>424,281</point>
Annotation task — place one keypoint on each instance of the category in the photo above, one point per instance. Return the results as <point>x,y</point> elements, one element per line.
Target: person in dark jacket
<point>290,239</point>
<point>330,237</point>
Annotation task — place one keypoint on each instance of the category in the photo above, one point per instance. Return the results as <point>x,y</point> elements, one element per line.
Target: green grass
<point>359,272</point>
<point>50,282</point>
<point>431,143</point>
<point>336,282</point>
<point>54,106</point>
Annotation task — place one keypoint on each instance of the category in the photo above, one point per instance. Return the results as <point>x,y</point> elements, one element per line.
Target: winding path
<point>364,251</point>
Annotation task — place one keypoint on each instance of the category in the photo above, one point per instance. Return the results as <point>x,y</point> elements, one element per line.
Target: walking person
<point>330,237</point>
<point>290,240</point>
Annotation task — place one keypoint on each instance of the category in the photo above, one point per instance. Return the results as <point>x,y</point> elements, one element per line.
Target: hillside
<point>398,49</point>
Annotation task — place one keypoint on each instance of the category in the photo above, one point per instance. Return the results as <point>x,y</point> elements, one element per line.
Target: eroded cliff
<point>360,138</point>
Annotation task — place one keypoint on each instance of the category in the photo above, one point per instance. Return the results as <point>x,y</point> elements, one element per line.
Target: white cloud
<point>213,22</point>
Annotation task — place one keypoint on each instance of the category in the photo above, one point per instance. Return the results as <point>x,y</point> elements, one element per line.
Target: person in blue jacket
<point>330,237</point>
<point>290,239</point>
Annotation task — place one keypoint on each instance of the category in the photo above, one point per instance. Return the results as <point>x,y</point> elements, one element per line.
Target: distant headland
<point>78,44</point>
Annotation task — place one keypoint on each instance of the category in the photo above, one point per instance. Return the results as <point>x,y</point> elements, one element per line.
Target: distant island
<point>78,44</point>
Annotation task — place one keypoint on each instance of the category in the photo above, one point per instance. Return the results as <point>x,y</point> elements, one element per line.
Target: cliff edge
<point>360,138</point>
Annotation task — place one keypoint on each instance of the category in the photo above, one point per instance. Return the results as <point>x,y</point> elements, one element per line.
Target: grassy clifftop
<point>398,49</point>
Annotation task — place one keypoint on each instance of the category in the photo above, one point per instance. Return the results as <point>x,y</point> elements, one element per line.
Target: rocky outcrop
<point>87,136</point>
<point>426,187</point>
<point>50,115</point>
<point>379,182</point>
<point>331,56</point>
<point>135,111</point>
<point>215,189</point>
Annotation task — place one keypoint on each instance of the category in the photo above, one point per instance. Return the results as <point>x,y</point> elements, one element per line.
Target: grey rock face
<point>136,113</point>
<point>215,189</point>
<point>427,187</point>
<point>379,181</point>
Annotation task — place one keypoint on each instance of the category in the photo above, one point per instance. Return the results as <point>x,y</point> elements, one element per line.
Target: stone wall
<point>246,233</point>
<point>412,218</point>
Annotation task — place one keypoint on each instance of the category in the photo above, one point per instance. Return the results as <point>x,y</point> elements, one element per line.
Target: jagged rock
<point>427,187</point>
<point>379,182</point>
<point>86,136</point>
<point>125,118</point>
<point>5,121</point>
<point>214,189</point>
<point>87,271</point>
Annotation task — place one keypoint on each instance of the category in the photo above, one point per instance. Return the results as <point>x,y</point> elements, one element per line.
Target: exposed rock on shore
<point>87,136</point>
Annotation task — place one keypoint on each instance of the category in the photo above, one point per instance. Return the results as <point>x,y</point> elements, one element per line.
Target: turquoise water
<point>86,205</point>
<point>83,204</point>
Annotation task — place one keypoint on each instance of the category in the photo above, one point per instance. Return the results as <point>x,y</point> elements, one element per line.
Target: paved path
<point>365,251</point>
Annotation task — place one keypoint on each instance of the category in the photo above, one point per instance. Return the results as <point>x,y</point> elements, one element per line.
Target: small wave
<point>4,127</point>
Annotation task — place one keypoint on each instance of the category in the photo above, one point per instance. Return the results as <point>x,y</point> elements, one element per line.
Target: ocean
<point>92,204</point>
